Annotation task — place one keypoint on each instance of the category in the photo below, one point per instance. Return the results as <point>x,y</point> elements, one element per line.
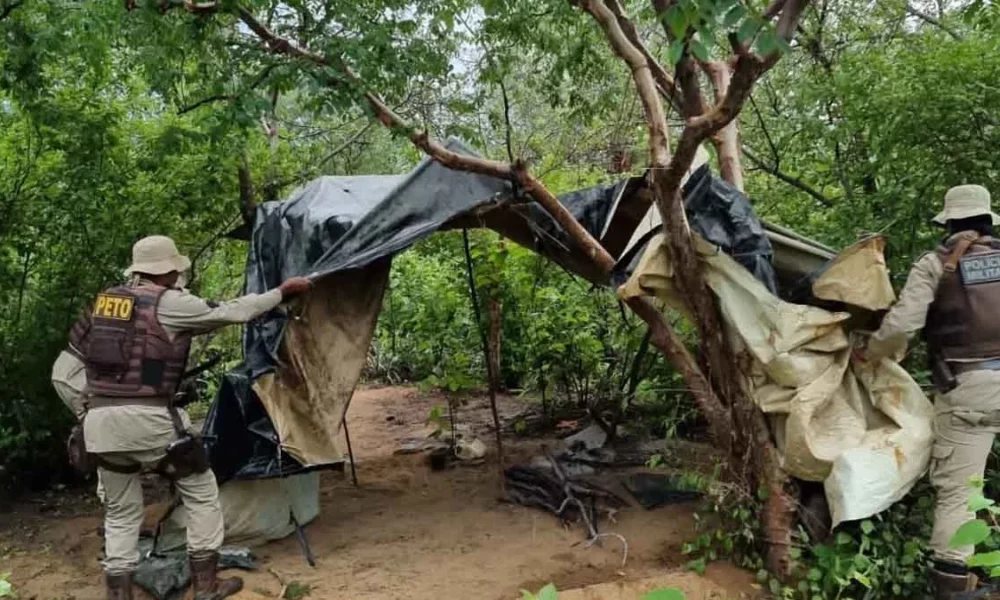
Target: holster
<point>81,460</point>
<point>186,455</point>
<point>942,374</point>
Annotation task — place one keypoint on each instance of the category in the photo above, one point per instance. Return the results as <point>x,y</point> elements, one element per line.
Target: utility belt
<point>945,373</point>
<point>185,456</point>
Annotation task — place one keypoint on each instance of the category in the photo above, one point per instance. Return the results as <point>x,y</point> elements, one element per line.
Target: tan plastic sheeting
<point>323,352</point>
<point>256,511</point>
<point>865,431</point>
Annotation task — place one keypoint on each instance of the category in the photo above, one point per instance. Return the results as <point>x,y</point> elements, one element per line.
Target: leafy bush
<point>881,557</point>
<point>983,533</point>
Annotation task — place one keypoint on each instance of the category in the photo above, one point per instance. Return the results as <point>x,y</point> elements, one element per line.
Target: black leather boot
<point>205,580</point>
<point>119,586</point>
<point>949,586</point>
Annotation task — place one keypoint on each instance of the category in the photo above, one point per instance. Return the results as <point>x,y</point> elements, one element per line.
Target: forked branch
<point>420,138</point>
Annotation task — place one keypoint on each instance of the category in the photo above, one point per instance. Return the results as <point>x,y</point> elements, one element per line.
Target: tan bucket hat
<point>157,255</point>
<point>964,201</point>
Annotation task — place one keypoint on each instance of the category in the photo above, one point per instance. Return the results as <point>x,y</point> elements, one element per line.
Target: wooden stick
<point>490,375</point>
<point>350,453</point>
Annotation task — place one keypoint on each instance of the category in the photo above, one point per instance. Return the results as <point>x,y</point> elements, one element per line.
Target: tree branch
<point>347,144</point>
<point>209,100</point>
<point>926,18</point>
<point>666,83</point>
<point>516,172</point>
<point>656,119</point>
<point>790,180</point>
<point>665,339</point>
<point>727,139</point>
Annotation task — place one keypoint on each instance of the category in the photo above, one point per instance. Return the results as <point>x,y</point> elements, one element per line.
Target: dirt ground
<point>405,533</point>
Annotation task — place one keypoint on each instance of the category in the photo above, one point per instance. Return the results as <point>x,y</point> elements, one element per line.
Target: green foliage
<point>548,592</point>
<point>664,594</point>
<point>727,524</point>
<point>296,591</point>
<point>881,557</point>
<point>6,589</point>
<point>983,533</point>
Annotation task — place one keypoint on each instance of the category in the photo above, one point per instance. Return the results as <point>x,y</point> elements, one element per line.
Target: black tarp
<point>722,215</point>
<point>336,224</point>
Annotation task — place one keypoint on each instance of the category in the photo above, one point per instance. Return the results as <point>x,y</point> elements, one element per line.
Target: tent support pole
<point>303,542</point>
<point>350,453</point>
<point>490,375</point>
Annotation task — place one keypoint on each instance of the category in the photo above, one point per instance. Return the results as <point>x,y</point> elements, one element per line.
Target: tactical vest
<point>129,355</point>
<point>963,322</point>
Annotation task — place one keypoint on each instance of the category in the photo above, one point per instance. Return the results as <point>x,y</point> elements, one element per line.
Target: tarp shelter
<point>280,413</point>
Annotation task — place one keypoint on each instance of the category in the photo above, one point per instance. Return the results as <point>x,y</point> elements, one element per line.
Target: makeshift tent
<point>281,412</point>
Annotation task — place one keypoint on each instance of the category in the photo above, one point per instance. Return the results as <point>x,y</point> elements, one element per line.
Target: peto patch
<point>114,307</point>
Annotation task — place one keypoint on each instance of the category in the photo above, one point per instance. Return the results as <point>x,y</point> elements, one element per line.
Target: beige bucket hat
<point>964,201</point>
<point>157,255</point>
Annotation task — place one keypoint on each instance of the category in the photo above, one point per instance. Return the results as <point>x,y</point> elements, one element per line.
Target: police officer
<point>952,295</point>
<point>135,354</point>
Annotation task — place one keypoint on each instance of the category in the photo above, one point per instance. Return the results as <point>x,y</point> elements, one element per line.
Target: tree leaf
<point>734,16</point>
<point>987,559</point>
<point>548,592</point>
<point>867,527</point>
<point>748,30</point>
<point>675,52</point>
<point>664,594</point>
<point>698,566</point>
<point>699,50</point>
<point>767,42</point>
<point>978,502</point>
<point>677,20</point>
<point>862,579</point>
<point>970,534</point>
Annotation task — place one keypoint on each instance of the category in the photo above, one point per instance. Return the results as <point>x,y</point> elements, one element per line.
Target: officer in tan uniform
<point>952,295</point>
<point>135,354</point>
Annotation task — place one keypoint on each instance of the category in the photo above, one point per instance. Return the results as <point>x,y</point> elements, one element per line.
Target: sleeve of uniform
<point>909,314</point>
<point>182,311</point>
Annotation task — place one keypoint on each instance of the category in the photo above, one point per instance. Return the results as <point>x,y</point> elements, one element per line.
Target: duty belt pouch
<point>942,375</point>
<point>186,455</point>
<point>81,460</point>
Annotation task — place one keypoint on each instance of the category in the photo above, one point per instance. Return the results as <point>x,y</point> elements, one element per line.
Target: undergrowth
<point>882,557</point>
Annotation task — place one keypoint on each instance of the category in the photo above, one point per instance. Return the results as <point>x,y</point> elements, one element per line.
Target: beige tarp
<point>322,355</point>
<point>255,511</point>
<point>865,431</point>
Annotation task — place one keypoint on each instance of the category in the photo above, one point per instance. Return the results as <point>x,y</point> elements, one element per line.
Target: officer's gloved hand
<point>293,286</point>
